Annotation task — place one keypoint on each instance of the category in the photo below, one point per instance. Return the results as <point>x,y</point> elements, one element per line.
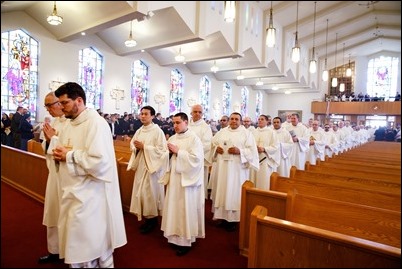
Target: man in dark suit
<point>15,127</point>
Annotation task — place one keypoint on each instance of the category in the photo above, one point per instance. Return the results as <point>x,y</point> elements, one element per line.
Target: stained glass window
<point>139,86</point>
<point>244,101</point>
<point>382,77</point>
<point>19,72</point>
<point>258,106</point>
<point>226,97</point>
<point>205,90</point>
<point>176,92</point>
<point>90,76</point>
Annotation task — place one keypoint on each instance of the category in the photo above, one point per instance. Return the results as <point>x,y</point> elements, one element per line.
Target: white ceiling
<point>366,28</point>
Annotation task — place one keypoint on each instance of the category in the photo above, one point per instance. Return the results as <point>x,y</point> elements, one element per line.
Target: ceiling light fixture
<point>54,19</point>
<point>349,70</point>
<point>313,62</point>
<point>230,11</point>
<point>342,86</point>
<point>271,31</point>
<point>130,42</point>
<point>325,72</point>
<point>214,68</point>
<point>259,82</point>
<point>179,57</point>
<point>296,48</point>
<point>240,76</point>
<point>334,82</point>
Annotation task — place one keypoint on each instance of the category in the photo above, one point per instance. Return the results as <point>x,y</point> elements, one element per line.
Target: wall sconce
<point>240,76</point>
<point>230,11</point>
<point>296,48</point>
<point>54,18</point>
<point>130,42</point>
<point>236,107</point>
<point>271,31</point>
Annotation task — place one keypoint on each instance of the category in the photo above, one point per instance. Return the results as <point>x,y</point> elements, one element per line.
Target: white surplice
<point>317,150</point>
<point>91,220</point>
<point>148,194</point>
<point>204,132</point>
<point>284,139</point>
<point>231,171</point>
<point>51,208</point>
<point>183,218</point>
<point>301,147</point>
<point>269,160</point>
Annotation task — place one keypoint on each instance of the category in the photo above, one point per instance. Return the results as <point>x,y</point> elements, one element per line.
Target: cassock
<point>183,218</point>
<point>331,144</point>
<point>91,220</point>
<point>204,132</point>
<point>148,194</point>
<point>284,139</point>
<point>53,193</point>
<point>268,160</point>
<point>231,171</point>
<point>301,147</point>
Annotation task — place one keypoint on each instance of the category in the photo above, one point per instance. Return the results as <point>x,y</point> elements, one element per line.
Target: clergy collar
<point>183,131</point>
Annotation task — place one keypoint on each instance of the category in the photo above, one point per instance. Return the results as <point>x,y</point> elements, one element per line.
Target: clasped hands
<point>231,150</point>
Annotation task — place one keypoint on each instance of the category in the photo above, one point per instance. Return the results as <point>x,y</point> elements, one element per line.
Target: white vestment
<point>331,146</point>
<point>91,220</point>
<point>301,147</point>
<point>317,150</point>
<point>231,171</point>
<point>183,218</point>
<point>269,160</point>
<point>284,139</point>
<point>148,194</point>
<point>204,132</point>
<point>53,193</point>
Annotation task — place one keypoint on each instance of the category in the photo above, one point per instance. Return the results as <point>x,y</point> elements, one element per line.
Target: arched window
<point>19,72</point>
<point>258,106</point>
<point>226,99</point>
<point>91,76</point>
<point>139,86</point>
<point>382,77</point>
<point>205,90</point>
<point>244,101</point>
<point>176,92</point>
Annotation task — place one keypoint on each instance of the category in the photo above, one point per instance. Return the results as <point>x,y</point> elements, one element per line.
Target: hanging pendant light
<point>271,31</point>
<point>230,11</point>
<point>349,70</point>
<point>325,72</point>
<point>342,86</point>
<point>214,68</point>
<point>130,42</point>
<point>296,48</point>
<point>334,82</point>
<point>54,18</point>
<point>313,62</point>
<point>179,57</point>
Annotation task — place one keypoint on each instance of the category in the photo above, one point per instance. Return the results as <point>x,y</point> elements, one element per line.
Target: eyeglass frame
<point>51,104</point>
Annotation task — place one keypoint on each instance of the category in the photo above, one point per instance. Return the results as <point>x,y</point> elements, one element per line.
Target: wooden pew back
<point>275,243</point>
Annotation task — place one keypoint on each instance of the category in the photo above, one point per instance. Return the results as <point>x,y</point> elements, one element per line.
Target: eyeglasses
<point>223,120</point>
<point>49,105</point>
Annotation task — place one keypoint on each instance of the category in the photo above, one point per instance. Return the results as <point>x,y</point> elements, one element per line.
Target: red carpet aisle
<point>23,240</point>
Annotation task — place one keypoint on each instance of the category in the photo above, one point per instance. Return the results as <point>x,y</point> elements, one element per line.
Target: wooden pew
<point>275,243</point>
<point>122,150</point>
<point>327,172</point>
<point>376,224</point>
<point>35,147</point>
<point>346,180</point>
<point>25,171</point>
<point>275,201</point>
<point>370,223</point>
<point>368,167</point>
<point>373,198</point>
<point>126,180</point>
